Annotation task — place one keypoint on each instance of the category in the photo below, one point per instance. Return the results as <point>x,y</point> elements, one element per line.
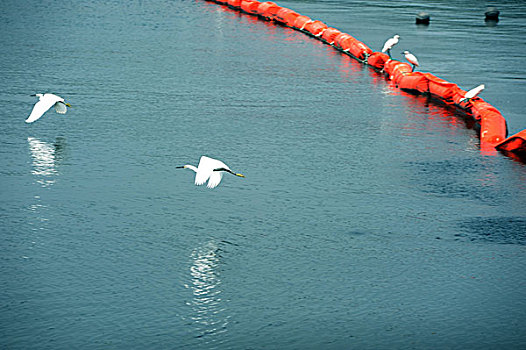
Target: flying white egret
<point>390,43</point>
<point>45,102</point>
<point>472,93</point>
<point>411,58</point>
<point>209,169</point>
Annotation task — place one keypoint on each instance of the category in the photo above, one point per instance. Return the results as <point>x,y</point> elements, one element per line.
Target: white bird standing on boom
<point>45,102</point>
<point>390,43</point>
<point>209,169</point>
<point>472,93</point>
<point>411,58</point>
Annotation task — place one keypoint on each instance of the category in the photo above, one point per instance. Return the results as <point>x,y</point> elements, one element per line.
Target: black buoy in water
<point>492,14</point>
<point>422,18</point>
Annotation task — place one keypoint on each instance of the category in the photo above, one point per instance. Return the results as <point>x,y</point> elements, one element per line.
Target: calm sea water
<point>368,219</point>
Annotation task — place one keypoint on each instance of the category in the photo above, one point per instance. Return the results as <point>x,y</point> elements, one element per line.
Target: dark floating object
<point>422,18</point>
<point>492,14</point>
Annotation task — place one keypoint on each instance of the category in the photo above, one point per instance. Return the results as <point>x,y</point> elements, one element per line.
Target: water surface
<point>368,218</point>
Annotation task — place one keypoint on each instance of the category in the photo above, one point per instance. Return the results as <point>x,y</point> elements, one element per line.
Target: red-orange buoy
<point>493,129</point>
<point>286,16</point>
<point>415,81</point>
<point>377,59</point>
<point>236,4</point>
<point>340,39</point>
<point>515,143</point>
<point>359,50</point>
<point>478,107</point>
<point>250,6</point>
<point>441,88</point>
<point>301,21</point>
<point>268,10</point>
<point>315,28</point>
<point>330,34</point>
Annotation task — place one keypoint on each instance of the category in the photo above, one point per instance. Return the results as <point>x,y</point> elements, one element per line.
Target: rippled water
<point>368,218</point>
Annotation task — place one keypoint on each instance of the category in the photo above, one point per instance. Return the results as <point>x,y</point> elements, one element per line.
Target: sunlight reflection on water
<point>44,160</point>
<point>207,303</point>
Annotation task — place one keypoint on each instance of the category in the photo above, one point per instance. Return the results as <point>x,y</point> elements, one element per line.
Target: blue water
<point>369,218</point>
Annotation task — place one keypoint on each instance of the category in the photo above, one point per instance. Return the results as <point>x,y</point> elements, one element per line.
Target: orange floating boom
<point>493,128</point>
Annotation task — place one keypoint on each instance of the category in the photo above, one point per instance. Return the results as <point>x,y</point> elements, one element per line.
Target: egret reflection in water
<point>207,303</point>
<point>45,158</point>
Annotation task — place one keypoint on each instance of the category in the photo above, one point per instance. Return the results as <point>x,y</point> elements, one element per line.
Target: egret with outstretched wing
<point>45,102</point>
<point>210,170</point>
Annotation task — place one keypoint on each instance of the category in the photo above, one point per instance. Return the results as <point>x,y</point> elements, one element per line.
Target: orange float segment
<point>268,10</point>
<point>330,34</point>
<point>441,88</point>
<point>478,107</point>
<point>414,81</point>
<point>250,6</point>
<point>392,67</point>
<point>286,16</point>
<point>340,38</point>
<point>515,143</point>
<point>316,28</point>
<point>389,65</point>
<point>399,71</point>
<point>346,43</point>
<point>359,50</point>
<point>234,3</point>
<point>377,59</point>
<point>301,21</point>
<point>493,128</point>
